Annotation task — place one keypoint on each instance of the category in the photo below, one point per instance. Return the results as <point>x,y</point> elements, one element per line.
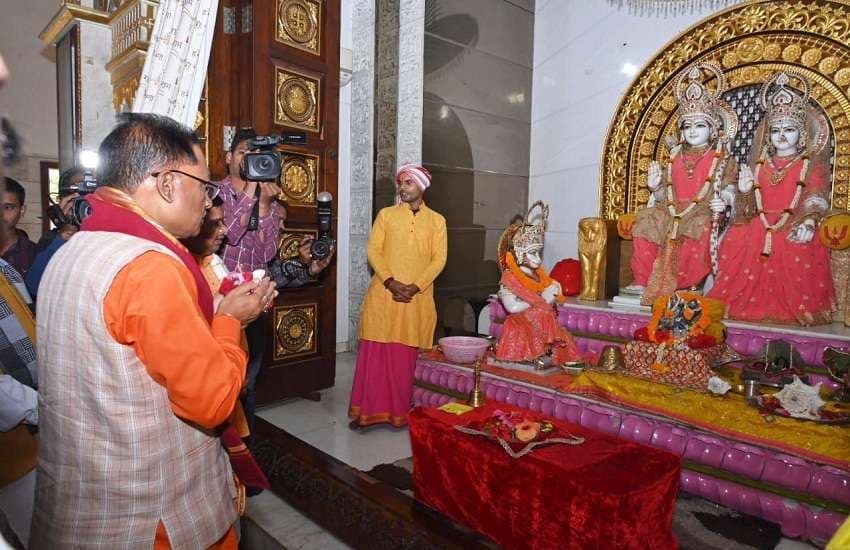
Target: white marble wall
<point>343,197</point>
<point>585,56</point>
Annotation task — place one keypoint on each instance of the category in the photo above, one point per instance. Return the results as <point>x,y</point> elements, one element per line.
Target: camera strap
<point>254,220</point>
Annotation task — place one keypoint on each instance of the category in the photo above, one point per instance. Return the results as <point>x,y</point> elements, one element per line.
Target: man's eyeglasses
<point>212,190</point>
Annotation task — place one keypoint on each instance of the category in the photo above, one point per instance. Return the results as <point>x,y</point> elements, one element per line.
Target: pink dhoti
<point>383,383</point>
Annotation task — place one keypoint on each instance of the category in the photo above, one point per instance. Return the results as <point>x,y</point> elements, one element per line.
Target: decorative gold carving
<point>299,24</point>
<point>791,53</point>
<point>809,38</point>
<point>63,19</point>
<point>295,330</point>
<point>297,100</point>
<point>300,174</point>
<point>123,94</point>
<point>132,28</point>
<point>290,239</point>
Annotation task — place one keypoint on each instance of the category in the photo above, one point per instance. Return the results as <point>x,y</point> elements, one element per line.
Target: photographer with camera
<point>314,255</point>
<point>252,218</point>
<point>251,240</point>
<point>60,215</point>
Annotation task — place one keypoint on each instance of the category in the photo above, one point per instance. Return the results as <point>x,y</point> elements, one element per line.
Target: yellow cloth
<point>728,415</point>
<point>410,248</point>
<point>455,408</point>
<point>841,539</point>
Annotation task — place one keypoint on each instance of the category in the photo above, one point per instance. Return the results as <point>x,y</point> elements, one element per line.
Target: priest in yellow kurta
<point>407,250</point>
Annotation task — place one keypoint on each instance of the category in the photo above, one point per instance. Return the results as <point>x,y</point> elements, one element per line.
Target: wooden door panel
<point>301,328</point>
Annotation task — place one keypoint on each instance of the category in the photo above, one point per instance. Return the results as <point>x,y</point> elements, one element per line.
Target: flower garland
<point>783,219</point>
<point>659,308</point>
<point>665,339</point>
<point>703,192</point>
<point>543,281</point>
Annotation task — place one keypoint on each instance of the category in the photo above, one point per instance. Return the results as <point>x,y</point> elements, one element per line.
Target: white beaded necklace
<point>703,192</point>
<point>783,219</point>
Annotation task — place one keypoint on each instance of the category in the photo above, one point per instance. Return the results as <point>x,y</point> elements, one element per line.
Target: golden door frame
<point>750,42</point>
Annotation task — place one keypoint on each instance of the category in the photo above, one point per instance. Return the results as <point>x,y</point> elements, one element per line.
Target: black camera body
<point>264,163</point>
<point>321,247</point>
<point>81,208</point>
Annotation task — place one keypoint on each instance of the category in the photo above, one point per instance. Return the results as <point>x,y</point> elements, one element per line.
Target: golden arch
<point>750,43</point>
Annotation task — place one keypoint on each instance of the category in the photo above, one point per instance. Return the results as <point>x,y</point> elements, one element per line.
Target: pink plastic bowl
<point>463,349</point>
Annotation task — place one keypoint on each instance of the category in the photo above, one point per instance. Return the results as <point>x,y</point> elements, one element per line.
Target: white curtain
<point>176,63</point>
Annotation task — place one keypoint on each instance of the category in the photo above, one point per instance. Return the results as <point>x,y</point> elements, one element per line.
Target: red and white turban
<point>420,175</point>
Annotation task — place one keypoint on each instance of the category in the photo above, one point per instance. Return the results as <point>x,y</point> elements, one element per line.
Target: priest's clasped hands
<point>400,291</point>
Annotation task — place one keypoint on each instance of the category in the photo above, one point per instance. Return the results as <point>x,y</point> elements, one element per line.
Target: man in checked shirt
<point>249,249</point>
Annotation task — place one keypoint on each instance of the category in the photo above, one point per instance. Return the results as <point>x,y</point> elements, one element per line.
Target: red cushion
<point>568,273</point>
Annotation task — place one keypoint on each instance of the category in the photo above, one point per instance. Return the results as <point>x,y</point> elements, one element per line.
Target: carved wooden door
<point>275,66</point>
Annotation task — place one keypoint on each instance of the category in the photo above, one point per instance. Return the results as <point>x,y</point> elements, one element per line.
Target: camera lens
<point>320,249</point>
<point>80,211</point>
<point>264,164</point>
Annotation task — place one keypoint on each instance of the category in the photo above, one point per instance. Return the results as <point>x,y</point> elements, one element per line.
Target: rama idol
<point>674,234</point>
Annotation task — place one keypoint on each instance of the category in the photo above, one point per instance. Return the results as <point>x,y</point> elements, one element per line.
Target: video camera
<point>80,208</point>
<point>264,163</point>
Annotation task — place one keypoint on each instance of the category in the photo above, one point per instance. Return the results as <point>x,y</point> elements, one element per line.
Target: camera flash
<point>89,159</point>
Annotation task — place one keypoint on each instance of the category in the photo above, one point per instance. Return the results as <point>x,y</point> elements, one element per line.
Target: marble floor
<point>324,425</point>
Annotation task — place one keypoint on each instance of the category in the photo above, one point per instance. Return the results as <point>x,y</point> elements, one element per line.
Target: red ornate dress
<point>529,334</point>
<point>793,284</point>
<point>688,172</point>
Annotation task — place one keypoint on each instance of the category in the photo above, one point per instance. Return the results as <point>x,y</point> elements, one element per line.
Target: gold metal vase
<point>476,396</point>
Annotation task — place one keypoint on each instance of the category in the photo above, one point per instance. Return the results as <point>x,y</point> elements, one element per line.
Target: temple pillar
<point>362,169</point>
<point>81,33</point>
<point>388,61</point>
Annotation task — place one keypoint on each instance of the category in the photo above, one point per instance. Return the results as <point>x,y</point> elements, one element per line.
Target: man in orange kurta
<point>137,370</point>
<point>407,249</point>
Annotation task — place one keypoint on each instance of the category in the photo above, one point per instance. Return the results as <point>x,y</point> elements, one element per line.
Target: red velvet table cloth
<point>605,493</point>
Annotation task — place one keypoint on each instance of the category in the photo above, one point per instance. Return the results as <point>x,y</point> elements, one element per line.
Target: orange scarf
<point>543,281</point>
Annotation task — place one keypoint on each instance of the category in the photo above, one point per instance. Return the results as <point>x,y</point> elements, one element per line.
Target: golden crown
<point>695,100</point>
<point>783,104</point>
